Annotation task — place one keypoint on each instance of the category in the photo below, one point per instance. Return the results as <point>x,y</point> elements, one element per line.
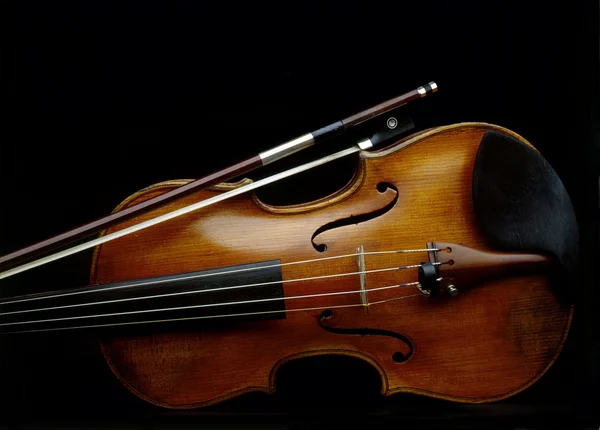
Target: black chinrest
<point>522,205</point>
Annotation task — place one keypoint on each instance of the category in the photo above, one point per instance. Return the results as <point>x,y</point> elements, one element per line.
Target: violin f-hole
<point>401,356</point>
<point>382,187</point>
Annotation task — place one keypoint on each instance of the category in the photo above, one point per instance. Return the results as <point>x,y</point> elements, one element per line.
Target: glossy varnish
<point>485,344</point>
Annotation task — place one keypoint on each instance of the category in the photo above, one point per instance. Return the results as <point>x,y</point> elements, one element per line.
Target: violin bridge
<point>362,268</point>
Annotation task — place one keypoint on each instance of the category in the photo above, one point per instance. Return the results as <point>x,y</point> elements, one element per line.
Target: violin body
<point>485,344</point>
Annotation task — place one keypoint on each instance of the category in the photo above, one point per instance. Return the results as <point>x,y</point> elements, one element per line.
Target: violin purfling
<point>444,263</point>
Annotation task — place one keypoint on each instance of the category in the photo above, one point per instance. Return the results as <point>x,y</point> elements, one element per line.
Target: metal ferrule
<point>427,89</point>
<point>365,144</point>
<point>287,148</point>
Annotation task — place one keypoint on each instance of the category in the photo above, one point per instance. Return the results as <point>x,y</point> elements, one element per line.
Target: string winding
<point>209,305</point>
<point>243,314</point>
<point>42,296</point>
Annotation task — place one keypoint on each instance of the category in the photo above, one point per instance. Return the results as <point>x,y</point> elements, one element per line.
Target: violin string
<point>243,314</point>
<point>209,305</point>
<point>212,290</point>
<point>153,281</point>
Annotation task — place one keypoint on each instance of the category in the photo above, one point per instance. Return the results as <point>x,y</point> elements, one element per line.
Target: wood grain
<point>486,344</point>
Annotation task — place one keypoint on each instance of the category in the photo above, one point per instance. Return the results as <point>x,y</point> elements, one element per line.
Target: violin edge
<point>345,192</point>
<point>429,132</point>
<point>271,386</point>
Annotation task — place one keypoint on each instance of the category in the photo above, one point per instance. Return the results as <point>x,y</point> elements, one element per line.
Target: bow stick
<point>262,159</point>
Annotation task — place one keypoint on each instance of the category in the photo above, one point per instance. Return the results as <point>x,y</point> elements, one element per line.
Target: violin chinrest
<point>521,203</point>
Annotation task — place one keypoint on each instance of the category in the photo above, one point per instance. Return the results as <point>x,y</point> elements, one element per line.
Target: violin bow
<point>17,261</point>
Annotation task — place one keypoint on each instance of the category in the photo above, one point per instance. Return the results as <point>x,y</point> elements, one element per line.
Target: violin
<point>444,263</point>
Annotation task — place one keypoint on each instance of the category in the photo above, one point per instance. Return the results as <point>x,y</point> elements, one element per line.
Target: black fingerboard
<point>242,292</point>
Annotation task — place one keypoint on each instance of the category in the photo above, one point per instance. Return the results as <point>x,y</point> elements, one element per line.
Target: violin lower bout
<point>463,351</point>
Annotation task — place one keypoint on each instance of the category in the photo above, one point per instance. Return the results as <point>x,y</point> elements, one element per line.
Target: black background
<point>100,99</point>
